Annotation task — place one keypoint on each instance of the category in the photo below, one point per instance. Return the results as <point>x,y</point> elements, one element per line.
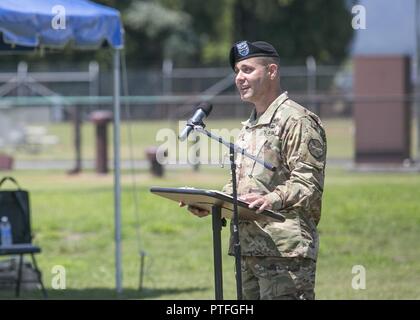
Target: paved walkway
<point>125,164</point>
<point>67,165</point>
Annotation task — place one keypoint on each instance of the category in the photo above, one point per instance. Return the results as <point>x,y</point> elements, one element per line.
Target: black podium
<point>221,206</point>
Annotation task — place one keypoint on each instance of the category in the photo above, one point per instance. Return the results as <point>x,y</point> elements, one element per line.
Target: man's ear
<point>273,70</point>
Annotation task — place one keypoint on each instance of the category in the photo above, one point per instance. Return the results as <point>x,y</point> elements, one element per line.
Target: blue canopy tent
<point>81,24</point>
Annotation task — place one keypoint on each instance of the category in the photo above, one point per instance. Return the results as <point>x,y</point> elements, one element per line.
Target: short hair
<point>269,60</point>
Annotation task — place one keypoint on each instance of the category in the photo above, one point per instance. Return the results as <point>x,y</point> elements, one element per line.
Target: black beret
<point>244,49</point>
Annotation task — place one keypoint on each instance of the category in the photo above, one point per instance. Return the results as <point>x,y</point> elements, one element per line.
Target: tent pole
<point>117,186</point>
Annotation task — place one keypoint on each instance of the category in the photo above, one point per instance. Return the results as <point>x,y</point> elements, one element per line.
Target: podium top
<point>206,199</point>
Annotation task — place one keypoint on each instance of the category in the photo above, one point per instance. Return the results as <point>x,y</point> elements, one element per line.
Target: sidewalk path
<point>125,164</point>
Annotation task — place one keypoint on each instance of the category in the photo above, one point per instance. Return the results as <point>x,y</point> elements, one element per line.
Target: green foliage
<point>158,33</point>
<point>194,32</point>
<point>212,21</point>
<point>297,28</point>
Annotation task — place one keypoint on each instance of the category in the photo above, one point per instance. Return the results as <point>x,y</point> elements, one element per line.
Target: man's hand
<point>256,200</point>
<point>195,211</point>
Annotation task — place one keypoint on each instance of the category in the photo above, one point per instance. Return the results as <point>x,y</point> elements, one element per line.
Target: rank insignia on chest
<point>269,133</point>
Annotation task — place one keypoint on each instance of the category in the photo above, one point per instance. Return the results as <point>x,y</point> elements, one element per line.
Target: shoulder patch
<point>316,149</point>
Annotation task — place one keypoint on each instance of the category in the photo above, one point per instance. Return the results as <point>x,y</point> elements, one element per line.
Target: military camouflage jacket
<point>292,139</point>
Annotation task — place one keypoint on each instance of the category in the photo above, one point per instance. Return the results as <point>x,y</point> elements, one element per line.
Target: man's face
<point>251,79</point>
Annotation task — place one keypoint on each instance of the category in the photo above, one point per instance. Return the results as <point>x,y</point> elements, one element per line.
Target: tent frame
<point>117,170</point>
<point>116,142</point>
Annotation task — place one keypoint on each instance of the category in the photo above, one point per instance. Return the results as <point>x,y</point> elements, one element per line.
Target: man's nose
<point>240,77</point>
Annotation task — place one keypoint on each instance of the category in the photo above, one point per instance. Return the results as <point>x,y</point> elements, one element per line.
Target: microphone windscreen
<point>206,107</point>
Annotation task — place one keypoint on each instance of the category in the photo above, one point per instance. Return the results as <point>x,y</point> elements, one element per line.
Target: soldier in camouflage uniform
<point>278,258</point>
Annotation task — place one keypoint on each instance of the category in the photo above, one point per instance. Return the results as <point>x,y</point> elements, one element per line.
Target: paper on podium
<point>205,199</point>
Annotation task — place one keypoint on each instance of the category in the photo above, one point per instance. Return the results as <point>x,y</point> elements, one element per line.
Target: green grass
<point>340,140</point>
<point>367,219</point>
<point>143,134</point>
<point>370,220</point>
<point>137,136</point>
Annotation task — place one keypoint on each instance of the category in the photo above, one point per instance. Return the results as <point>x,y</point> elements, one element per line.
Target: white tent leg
<point>117,185</point>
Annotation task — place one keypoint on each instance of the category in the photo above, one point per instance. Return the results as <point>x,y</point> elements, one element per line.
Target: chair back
<point>14,204</point>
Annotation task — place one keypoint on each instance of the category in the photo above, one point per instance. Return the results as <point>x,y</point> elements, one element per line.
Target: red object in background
<point>382,110</point>
<point>101,118</point>
<point>6,162</point>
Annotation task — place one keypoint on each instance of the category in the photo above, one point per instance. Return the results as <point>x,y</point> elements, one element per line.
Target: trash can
<point>156,168</point>
<point>101,118</point>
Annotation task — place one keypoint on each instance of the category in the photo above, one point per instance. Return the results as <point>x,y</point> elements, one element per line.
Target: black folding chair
<point>14,204</point>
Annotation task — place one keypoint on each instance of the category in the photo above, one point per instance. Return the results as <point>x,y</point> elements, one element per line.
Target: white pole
<point>311,83</point>
<point>417,84</point>
<point>117,186</point>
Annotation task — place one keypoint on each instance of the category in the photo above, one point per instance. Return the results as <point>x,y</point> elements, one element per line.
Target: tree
<point>297,28</point>
<point>155,33</point>
<point>212,22</point>
<point>197,33</point>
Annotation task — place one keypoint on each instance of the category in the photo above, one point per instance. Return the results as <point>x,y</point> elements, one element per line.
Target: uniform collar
<point>268,114</point>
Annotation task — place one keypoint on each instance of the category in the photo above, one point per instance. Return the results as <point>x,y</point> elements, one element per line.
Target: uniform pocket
<point>269,151</point>
<point>286,235</point>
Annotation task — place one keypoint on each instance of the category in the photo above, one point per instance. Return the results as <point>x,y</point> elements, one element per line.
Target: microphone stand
<point>232,149</point>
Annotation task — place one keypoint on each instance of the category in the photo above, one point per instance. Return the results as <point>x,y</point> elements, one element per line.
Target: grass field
<point>367,219</point>
<point>143,134</point>
<point>137,136</point>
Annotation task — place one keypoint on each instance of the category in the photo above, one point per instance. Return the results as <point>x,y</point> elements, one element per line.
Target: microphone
<point>202,111</point>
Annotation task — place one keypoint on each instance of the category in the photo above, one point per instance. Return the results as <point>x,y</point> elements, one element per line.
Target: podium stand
<point>220,205</point>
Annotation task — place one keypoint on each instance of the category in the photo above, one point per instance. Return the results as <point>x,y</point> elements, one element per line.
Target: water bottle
<point>5,231</point>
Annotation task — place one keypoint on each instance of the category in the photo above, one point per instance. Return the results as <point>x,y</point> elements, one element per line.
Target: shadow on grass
<point>100,293</point>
